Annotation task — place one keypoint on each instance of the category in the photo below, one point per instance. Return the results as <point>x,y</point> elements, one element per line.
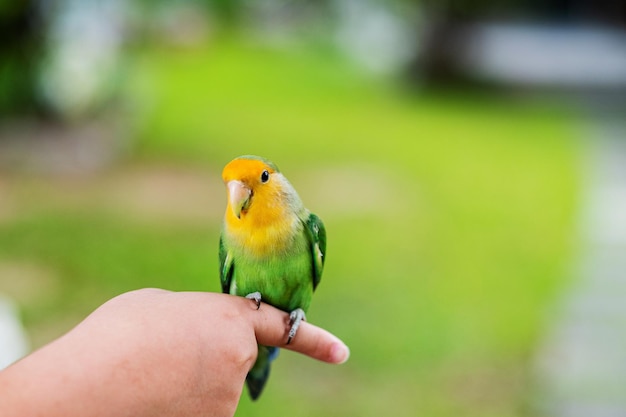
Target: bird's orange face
<point>262,209</point>
<point>247,180</point>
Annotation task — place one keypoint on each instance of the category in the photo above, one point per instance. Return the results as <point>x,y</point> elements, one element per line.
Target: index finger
<point>271,327</point>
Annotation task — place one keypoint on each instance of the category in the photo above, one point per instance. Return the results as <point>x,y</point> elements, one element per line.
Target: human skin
<point>154,352</point>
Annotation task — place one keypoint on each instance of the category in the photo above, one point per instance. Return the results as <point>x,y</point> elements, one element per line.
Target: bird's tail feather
<point>260,372</point>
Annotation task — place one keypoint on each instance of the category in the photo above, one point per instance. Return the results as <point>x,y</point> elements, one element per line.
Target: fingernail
<point>339,353</point>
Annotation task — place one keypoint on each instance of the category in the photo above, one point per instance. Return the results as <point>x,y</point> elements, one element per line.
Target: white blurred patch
<point>85,37</point>
<point>375,35</point>
<point>530,53</point>
<point>13,341</point>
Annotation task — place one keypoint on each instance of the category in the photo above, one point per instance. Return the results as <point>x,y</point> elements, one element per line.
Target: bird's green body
<point>270,244</point>
<point>283,279</point>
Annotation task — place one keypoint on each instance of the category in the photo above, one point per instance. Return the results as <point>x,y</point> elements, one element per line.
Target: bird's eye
<point>265,176</point>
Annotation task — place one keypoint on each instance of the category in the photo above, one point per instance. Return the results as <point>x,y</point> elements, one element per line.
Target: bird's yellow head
<point>250,179</point>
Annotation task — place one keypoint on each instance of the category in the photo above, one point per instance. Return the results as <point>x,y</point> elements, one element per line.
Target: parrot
<point>271,248</point>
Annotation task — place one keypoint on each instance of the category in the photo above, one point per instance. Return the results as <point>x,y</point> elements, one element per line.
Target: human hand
<point>154,352</point>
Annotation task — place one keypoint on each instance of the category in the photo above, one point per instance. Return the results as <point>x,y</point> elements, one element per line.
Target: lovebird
<point>271,248</point>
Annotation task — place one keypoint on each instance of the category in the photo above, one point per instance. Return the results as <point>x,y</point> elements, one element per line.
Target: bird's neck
<point>262,235</point>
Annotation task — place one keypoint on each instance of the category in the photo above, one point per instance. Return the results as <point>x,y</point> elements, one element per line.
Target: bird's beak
<point>238,196</point>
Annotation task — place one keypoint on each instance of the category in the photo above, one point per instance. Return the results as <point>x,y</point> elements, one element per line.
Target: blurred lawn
<point>450,222</point>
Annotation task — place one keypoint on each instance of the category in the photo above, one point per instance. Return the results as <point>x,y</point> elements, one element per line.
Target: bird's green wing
<point>317,237</point>
<point>226,267</point>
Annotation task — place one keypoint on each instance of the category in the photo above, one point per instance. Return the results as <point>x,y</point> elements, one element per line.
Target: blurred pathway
<point>582,367</point>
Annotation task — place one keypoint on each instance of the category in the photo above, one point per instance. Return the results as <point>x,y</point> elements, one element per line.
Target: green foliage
<point>449,221</point>
<point>22,43</point>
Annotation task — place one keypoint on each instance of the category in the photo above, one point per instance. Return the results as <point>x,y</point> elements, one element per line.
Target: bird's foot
<point>256,297</point>
<point>295,318</point>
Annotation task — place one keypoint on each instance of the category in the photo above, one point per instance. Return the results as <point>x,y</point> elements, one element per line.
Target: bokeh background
<point>457,152</point>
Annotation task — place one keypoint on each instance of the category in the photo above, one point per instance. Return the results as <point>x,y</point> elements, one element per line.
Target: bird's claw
<point>256,297</point>
<point>295,318</point>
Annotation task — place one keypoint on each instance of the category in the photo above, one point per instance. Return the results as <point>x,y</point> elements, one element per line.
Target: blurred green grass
<point>450,223</point>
